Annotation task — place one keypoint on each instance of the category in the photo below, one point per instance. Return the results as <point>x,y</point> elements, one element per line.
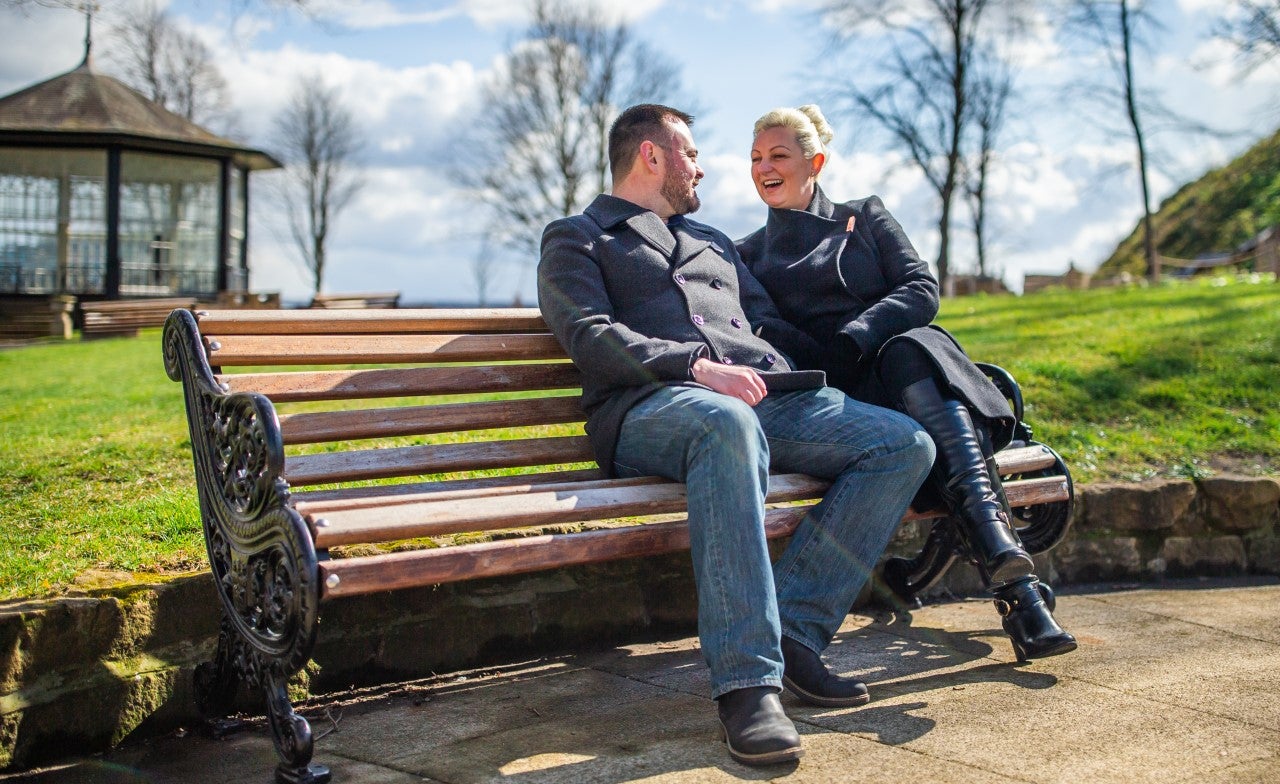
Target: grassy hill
<point>1127,383</point>
<point>1216,213</point>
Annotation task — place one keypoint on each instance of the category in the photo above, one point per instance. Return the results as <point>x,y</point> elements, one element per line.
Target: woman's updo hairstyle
<point>812,130</point>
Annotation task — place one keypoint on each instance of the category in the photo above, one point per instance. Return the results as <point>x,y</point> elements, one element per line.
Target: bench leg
<point>909,577</point>
<point>292,736</point>
<point>216,682</point>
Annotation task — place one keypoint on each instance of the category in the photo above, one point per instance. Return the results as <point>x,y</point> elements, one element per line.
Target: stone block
<point>1238,504</point>
<point>1159,505</point>
<point>1263,553</point>
<point>1093,560</point>
<point>49,635</point>
<point>1219,556</point>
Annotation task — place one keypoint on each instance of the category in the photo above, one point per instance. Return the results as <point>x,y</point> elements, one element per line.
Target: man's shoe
<point>755,727</point>
<point>809,679</point>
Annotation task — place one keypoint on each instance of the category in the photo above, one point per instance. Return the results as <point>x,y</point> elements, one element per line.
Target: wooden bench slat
<point>422,420</point>
<point>337,322</point>
<point>515,556</point>
<point>359,494</point>
<point>314,504</point>
<point>1021,460</point>
<point>537,507</point>
<point>106,305</point>
<point>1011,461</point>
<point>434,459</point>
<point>373,349</point>
<point>403,382</point>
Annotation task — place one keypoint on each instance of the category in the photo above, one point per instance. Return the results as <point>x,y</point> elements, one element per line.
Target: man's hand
<point>743,383</point>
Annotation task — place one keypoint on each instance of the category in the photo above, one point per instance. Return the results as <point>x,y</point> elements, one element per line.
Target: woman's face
<point>783,178</point>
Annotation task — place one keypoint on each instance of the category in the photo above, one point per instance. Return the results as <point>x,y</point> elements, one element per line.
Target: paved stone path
<point>1176,684</point>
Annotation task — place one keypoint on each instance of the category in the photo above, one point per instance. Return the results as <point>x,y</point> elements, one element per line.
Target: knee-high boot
<point>970,486</point>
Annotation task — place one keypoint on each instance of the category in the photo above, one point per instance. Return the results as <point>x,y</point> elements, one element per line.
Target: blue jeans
<point>722,449</point>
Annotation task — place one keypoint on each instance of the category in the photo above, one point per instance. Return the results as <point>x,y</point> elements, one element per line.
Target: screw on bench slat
<point>321,522</point>
<point>332,580</point>
<point>214,345</point>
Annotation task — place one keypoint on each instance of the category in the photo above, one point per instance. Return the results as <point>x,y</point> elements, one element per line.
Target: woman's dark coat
<point>848,276</point>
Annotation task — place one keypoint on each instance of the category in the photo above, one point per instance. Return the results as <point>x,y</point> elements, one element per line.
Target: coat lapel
<point>688,244</point>
<point>610,211</point>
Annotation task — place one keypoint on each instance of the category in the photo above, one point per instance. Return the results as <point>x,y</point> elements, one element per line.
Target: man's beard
<point>679,195</point>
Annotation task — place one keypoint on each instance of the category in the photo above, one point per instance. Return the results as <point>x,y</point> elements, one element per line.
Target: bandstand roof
<point>84,108</point>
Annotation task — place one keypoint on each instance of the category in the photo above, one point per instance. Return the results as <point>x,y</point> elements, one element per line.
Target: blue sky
<point>411,72</point>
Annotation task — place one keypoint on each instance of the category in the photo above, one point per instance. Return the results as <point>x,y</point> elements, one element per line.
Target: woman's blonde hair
<point>812,130</point>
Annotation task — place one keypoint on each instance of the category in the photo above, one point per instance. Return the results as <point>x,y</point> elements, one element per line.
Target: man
<point>685,376</point>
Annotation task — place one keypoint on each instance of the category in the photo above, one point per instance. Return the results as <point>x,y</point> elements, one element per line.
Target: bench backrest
<point>381,360</point>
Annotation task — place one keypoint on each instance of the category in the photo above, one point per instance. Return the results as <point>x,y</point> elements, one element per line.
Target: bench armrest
<point>261,552</point>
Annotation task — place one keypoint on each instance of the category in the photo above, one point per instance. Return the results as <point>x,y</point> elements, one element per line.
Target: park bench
<point>357,299</point>
<point>124,317</point>
<point>27,317</point>
<point>313,398</point>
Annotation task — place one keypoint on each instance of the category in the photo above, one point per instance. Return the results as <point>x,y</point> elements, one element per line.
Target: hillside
<point>1215,213</point>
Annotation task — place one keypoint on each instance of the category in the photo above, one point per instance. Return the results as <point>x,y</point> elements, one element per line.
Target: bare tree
<point>172,67</point>
<point>993,85</point>
<point>922,94</point>
<point>546,115</point>
<point>1116,29</point>
<point>318,140</point>
<point>1253,27</point>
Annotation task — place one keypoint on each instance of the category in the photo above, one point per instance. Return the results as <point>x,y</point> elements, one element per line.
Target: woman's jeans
<point>723,449</point>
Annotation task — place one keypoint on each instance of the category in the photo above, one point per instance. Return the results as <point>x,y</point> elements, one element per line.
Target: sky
<point>1063,190</point>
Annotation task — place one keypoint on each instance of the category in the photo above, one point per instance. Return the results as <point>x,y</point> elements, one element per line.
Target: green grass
<point>1178,380</point>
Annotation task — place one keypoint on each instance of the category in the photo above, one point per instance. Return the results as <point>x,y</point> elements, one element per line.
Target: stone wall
<point>80,674</point>
<point>1149,531</point>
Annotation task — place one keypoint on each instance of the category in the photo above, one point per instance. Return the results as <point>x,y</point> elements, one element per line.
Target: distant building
<point>1071,279</point>
<point>967,285</point>
<point>105,194</point>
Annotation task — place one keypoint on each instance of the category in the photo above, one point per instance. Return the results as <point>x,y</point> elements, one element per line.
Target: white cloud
<point>39,43</point>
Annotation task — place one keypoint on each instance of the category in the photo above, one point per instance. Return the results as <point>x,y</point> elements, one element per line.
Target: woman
<point>848,276</point>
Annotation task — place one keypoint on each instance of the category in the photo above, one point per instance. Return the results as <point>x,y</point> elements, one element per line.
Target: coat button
<point>770,358</point>
<point>679,279</point>
<point>697,319</point>
<point>717,284</point>
<point>728,361</point>
<point>736,322</point>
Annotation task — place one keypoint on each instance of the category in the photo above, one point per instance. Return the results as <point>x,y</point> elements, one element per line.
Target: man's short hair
<point>633,127</point>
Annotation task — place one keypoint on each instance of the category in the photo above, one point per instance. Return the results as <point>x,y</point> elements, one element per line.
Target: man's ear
<point>650,156</point>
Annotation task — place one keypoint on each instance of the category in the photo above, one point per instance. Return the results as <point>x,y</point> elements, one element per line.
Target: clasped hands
<point>737,381</point>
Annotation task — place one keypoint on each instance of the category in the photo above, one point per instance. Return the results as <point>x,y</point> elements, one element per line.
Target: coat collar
<point>678,238</point>
<point>792,233</point>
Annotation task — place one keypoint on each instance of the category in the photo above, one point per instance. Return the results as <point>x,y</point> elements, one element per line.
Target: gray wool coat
<point>635,301</point>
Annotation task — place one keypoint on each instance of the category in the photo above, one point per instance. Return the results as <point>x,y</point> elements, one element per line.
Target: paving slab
<point>1172,684</point>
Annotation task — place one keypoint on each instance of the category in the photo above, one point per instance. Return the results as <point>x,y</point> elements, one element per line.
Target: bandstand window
<point>52,220</point>
<point>169,219</point>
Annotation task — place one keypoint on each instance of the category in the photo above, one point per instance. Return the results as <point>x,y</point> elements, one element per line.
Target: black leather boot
<point>755,727</point>
<point>810,680</point>
<point>1028,621</point>
<point>970,486</point>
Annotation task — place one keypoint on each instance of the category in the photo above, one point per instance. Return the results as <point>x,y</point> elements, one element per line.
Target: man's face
<point>683,173</point>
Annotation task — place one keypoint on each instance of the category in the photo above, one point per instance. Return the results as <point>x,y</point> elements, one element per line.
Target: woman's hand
<point>744,383</point>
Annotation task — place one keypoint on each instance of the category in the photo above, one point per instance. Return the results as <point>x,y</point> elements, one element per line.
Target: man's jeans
<point>723,449</point>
